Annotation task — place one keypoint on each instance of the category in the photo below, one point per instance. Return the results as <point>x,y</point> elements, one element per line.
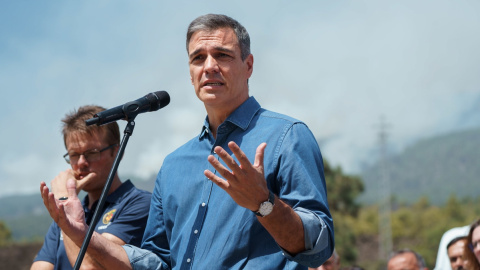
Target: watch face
<point>265,208</point>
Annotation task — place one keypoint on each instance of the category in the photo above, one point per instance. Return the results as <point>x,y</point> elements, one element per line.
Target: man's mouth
<point>82,175</point>
<point>213,84</point>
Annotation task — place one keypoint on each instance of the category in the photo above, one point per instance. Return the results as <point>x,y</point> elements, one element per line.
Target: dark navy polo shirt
<point>124,215</point>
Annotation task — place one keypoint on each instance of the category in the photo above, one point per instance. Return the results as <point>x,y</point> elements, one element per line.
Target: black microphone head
<point>158,100</point>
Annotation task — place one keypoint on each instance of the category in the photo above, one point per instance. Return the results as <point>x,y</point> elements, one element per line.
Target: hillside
<point>436,168</point>
<point>27,218</point>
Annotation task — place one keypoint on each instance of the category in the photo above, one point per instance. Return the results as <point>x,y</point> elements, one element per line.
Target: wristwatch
<point>266,207</point>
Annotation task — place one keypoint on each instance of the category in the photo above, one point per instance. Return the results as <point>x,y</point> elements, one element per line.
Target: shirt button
<point>188,260</point>
<point>203,204</point>
<point>195,232</point>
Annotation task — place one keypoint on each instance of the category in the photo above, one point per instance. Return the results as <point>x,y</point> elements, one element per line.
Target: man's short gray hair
<point>210,22</point>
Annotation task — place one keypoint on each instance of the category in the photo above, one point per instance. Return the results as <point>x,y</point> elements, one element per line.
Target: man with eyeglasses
<point>91,152</point>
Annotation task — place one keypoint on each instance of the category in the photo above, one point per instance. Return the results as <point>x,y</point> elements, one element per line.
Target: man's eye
<point>197,58</point>
<point>223,55</point>
<point>90,153</point>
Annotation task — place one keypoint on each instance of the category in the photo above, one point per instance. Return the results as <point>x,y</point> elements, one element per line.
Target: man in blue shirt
<point>247,193</point>
<point>91,152</point>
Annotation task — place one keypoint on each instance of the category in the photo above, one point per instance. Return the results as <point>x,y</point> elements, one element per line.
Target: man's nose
<point>82,160</point>
<point>459,263</point>
<point>211,65</point>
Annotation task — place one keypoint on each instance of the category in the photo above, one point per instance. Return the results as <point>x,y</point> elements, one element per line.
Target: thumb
<point>71,188</point>
<point>259,155</point>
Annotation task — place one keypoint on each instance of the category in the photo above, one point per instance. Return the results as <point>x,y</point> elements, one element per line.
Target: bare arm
<point>41,265</point>
<point>285,226</point>
<point>69,216</point>
<point>88,262</point>
<point>247,186</point>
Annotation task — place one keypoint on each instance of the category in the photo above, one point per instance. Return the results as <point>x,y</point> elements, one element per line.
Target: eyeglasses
<point>474,245</point>
<point>90,155</point>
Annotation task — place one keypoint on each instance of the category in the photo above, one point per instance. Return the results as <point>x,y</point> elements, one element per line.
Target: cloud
<point>17,174</point>
<point>339,66</point>
<point>414,63</point>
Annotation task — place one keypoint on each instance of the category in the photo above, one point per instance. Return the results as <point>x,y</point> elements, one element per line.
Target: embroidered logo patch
<point>108,216</point>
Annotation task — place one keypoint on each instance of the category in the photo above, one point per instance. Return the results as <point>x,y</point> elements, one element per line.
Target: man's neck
<point>94,196</point>
<point>215,119</point>
<point>218,115</point>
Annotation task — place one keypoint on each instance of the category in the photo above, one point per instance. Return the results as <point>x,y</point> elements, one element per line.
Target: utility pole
<point>384,194</point>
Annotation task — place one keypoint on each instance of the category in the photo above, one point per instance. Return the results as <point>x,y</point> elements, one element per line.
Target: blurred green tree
<point>5,234</point>
<point>342,192</point>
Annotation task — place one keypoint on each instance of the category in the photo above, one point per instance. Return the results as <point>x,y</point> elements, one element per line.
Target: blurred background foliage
<point>418,225</point>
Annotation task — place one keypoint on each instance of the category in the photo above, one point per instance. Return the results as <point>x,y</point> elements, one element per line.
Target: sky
<point>342,67</point>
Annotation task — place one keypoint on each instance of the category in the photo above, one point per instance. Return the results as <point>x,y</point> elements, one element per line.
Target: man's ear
<point>249,62</point>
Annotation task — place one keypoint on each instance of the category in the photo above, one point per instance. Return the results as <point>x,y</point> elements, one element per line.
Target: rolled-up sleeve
<point>317,240</point>
<point>301,183</point>
<point>142,259</point>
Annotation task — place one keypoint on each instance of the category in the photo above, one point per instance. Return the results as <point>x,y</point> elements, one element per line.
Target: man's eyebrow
<point>223,49</point>
<point>220,49</point>
<point>194,53</point>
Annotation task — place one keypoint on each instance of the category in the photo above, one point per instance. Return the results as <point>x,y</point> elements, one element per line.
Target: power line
<point>384,194</point>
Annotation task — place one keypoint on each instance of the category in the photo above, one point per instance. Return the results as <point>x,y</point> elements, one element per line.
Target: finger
<point>58,184</point>
<point>49,201</point>
<point>82,181</point>
<point>71,188</point>
<point>228,159</point>
<point>222,170</point>
<point>259,154</point>
<point>217,180</point>
<point>75,174</point>
<point>44,192</point>
<point>42,184</point>
<point>60,213</point>
<point>42,187</point>
<point>242,158</point>
<point>52,206</point>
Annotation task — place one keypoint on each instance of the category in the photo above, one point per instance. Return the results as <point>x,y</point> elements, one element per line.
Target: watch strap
<point>271,199</point>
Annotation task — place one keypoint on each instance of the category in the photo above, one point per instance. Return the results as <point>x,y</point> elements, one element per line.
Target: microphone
<point>128,111</point>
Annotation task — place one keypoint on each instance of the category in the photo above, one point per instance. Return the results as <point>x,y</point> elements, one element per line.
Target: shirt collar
<point>241,117</point>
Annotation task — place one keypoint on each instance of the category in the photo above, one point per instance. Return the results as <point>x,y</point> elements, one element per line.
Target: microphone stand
<point>96,216</point>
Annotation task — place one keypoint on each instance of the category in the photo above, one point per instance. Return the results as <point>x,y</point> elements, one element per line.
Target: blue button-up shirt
<point>194,224</point>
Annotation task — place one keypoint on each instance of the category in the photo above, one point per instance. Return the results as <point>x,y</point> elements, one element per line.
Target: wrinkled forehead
<point>219,36</point>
